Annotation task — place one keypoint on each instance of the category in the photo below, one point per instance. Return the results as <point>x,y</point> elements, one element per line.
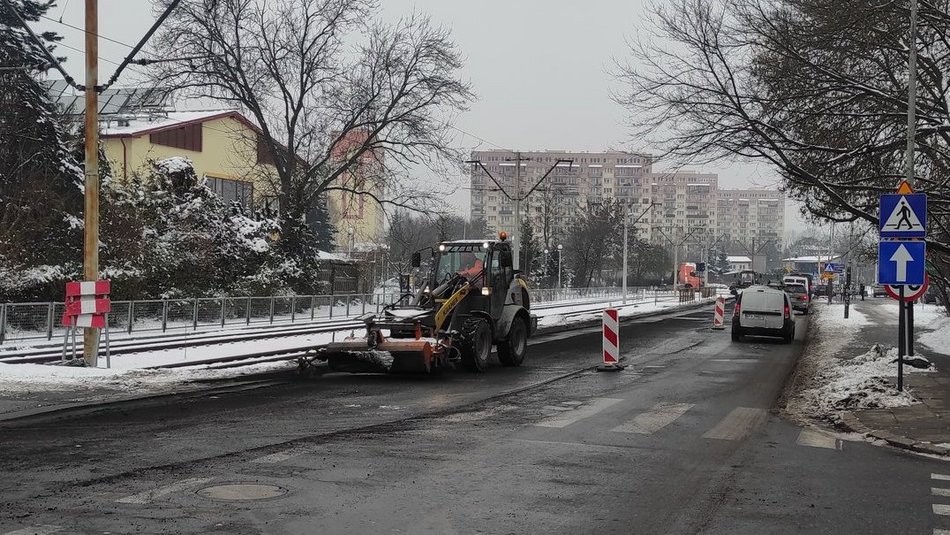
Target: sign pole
<point>909,339</point>
<point>901,336</point>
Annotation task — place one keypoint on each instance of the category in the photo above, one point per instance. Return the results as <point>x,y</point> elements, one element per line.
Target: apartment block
<point>580,178</point>
<point>683,208</point>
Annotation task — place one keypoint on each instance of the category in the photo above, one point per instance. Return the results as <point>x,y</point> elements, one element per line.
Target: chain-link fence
<point>37,321</point>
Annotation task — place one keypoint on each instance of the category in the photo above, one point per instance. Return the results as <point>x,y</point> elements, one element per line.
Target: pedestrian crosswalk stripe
<point>816,439</point>
<point>143,498</point>
<point>737,424</point>
<point>36,530</point>
<point>660,416</point>
<point>567,418</point>
<point>941,509</point>
<point>278,457</point>
<point>939,492</point>
<point>943,477</point>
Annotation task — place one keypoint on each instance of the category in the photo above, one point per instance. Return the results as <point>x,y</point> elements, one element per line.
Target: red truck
<point>687,276</point>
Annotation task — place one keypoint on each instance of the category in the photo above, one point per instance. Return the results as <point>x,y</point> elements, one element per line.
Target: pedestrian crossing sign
<point>903,216</point>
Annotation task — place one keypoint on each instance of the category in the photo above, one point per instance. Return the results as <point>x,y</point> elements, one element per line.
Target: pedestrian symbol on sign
<point>902,217</point>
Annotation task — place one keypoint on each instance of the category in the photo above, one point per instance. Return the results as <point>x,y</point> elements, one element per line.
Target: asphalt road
<point>685,440</point>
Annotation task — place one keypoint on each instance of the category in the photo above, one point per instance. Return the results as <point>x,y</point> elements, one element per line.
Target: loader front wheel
<point>475,344</point>
<point>511,352</point>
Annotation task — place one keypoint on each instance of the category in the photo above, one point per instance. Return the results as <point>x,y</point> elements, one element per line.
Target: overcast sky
<point>541,69</point>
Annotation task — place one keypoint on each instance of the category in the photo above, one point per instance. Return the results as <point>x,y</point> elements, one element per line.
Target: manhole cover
<point>242,491</point>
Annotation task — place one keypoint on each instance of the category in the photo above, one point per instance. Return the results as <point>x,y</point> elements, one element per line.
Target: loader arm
<point>450,304</point>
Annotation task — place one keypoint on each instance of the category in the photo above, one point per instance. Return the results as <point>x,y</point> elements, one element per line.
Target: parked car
<point>798,295</point>
<point>763,311</point>
<point>878,291</point>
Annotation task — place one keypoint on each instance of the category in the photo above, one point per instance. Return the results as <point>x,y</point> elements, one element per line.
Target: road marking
<point>737,425</point>
<point>939,492</point>
<point>816,439</point>
<point>575,403</point>
<point>278,457</point>
<point>35,530</point>
<point>143,498</point>
<point>941,509</point>
<point>557,408</point>
<point>942,477</point>
<point>575,445</point>
<point>660,416</point>
<point>586,411</point>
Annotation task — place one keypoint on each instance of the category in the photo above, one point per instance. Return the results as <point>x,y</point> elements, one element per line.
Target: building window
<point>239,191</point>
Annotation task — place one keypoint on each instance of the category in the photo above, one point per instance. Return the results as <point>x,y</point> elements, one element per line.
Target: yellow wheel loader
<point>472,299</point>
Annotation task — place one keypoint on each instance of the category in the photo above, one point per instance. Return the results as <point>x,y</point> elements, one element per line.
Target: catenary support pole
<point>91,206</point>
<point>516,229</point>
<point>626,220</point>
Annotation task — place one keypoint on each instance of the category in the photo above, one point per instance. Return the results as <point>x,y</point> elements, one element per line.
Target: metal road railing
<point>23,322</point>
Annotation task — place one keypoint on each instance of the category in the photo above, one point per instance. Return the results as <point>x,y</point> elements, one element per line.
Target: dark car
<point>879,291</point>
<point>798,295</point>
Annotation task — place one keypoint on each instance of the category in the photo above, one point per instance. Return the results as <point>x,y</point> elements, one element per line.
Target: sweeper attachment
<point>472,299</point>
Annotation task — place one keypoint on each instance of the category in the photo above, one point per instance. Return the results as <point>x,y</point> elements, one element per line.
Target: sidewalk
<point>859,393</point>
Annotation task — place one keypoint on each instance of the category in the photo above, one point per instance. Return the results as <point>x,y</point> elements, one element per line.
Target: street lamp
<point>546,251</point>
<point>559,248</point>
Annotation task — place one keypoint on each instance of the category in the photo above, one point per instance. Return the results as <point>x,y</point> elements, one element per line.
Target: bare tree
<point>344,103</point>
<point>595,241</point>
<point>815,87</point>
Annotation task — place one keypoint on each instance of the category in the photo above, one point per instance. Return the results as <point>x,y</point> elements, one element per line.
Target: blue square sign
<point>903,216</point>
<point>901,262</point>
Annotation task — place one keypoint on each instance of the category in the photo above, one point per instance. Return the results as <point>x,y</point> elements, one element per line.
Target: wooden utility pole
<point>91,211</point>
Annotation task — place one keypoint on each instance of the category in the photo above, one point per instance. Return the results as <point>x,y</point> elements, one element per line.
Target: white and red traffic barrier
<point>87,305</point>
<point>611,352</point>
<point>720,313</point>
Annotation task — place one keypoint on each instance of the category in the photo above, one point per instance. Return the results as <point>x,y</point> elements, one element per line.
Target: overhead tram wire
<point>98,35</point>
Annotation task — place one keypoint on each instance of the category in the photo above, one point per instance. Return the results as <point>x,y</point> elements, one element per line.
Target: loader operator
<point>471,266</point>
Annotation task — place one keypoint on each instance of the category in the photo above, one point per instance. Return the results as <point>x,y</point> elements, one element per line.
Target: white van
<point>763,311</point>
<point>794,279</point>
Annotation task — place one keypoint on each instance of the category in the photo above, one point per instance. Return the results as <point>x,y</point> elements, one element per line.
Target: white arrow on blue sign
<point>901,262</point>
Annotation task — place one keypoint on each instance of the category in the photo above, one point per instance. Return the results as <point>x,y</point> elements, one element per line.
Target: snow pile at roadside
<point>938,337</point>
<point>863,382</point>
<point>825,380</point>
<point>24,378</point>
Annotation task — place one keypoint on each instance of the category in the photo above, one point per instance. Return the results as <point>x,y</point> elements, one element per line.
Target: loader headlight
<point>426,290</point>
<point>486,291</point>
<point>441,246</point>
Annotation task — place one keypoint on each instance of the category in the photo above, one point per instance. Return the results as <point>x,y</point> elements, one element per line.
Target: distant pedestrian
<point>862,291</point>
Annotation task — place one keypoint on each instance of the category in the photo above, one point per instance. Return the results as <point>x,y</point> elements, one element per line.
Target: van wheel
<point>789,336</point>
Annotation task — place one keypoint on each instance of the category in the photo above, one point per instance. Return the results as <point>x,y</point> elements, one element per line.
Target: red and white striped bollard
<point>719,314</point>
<point>611,352</point>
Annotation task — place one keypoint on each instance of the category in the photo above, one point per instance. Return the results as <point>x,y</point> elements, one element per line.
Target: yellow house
<point>222,146</point>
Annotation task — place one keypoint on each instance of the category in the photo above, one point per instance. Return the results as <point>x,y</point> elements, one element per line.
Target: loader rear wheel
<point>475,344</point>
<point>511,352</point>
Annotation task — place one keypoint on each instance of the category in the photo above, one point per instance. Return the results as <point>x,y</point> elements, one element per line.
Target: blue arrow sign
<point>901,262</point>
<point>903,216</point>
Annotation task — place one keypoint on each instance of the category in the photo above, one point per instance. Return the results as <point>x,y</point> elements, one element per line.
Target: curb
<point>595,322</point>
<point>847,421</point>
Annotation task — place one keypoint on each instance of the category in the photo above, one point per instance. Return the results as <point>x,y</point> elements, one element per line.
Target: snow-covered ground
<point>838,380</point>
<point>128,372</point>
